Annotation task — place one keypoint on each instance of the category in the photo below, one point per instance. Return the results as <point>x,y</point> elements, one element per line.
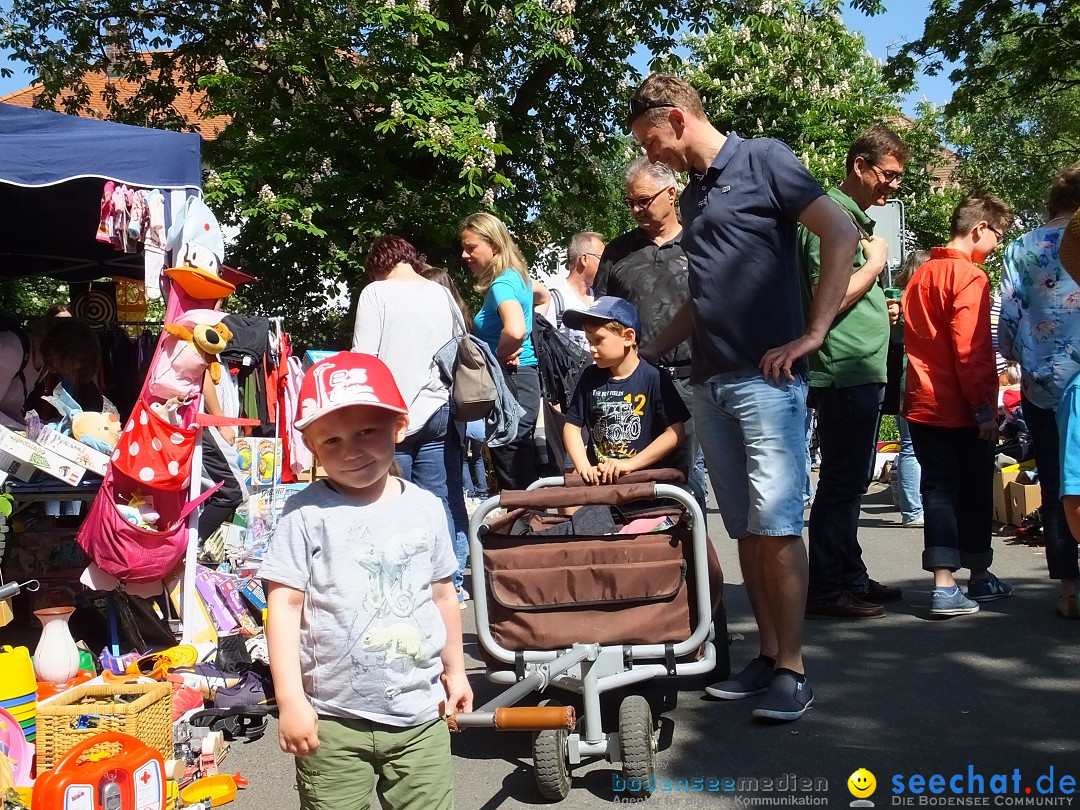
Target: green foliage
<point>793,71</point>
<point>887,430</point>
<point>1006,51</point>
<point>352,119</point>
<point>1013,118</point>
<point>30,297</point>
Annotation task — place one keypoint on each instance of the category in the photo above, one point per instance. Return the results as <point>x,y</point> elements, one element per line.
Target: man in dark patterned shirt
<point>648,268</point>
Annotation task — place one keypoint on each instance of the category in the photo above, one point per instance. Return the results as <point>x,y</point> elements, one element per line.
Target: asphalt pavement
<point>988,701</point>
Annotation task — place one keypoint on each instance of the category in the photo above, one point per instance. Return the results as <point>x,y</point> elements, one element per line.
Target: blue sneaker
<point>787,698</point>
<point>989,589</point>
<point>951,602</point>
<point>753,680</point>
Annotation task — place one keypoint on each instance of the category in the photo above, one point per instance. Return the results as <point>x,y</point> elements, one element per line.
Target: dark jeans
<point>847,424</point>
<point>473,471</point>
<point>515,462</point>
<point>431,459</point>
<point>957,495</point>
<point>1060,545</point>
<point>686,456</point>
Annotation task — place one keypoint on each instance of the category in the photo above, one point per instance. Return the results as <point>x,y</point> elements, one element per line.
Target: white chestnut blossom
<point>266,194</point>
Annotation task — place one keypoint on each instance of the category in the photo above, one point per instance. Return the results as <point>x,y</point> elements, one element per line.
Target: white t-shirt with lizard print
<point>370,634</point>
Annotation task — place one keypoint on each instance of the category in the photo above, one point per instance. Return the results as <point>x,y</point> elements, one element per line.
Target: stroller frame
<point>590,669</point>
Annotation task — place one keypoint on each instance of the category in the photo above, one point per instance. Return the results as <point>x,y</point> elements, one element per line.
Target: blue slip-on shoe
<point>951,602</point>
<point>753,680</point>
<point>989,589</point>
<point>787,698</point>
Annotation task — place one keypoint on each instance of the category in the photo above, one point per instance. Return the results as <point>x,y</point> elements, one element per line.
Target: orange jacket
<point>951,373</point>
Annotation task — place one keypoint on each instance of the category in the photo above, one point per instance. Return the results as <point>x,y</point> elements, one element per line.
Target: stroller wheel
<point>636,745</point>
<point>550,767</point>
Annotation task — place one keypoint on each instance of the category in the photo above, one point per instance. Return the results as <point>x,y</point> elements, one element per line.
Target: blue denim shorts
<point>753,434</point>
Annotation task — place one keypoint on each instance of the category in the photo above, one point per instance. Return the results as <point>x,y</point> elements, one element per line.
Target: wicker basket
<point>147,718</point>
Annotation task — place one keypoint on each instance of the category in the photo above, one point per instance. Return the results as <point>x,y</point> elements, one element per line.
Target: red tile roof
<point>187,105</point>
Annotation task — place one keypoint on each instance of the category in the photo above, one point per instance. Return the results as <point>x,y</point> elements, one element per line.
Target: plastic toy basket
<point>86,711</point>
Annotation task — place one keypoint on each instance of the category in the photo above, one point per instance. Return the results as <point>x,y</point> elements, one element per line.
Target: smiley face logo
<point>862,784</point>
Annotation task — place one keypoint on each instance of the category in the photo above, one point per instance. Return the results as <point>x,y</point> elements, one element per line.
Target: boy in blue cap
<point>631,408</point>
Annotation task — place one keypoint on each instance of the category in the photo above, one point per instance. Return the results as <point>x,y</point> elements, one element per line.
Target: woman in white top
<point>404,319</point>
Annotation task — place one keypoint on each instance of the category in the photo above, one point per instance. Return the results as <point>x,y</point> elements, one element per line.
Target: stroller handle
<point>571,490</point>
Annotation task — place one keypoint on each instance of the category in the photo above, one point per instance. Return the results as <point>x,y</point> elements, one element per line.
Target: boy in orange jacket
<point>950,402</point>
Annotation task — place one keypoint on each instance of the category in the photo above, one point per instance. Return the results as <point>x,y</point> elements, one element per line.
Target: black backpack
<point>560,361</point>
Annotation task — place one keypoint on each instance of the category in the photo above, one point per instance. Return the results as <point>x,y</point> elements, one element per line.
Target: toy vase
<point>56,659</point>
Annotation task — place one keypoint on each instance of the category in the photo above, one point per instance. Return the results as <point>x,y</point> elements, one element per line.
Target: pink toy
<point>14,746</point>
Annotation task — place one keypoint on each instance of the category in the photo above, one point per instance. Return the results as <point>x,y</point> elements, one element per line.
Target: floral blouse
<point>1040,316</point>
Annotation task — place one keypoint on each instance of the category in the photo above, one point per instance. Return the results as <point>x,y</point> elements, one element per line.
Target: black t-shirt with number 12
<point>625,416</point>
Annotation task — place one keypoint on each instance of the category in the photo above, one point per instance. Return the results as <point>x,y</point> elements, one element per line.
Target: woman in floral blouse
<point>1040,329</point>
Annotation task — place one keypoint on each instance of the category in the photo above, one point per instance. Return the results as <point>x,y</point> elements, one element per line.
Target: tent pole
<point>189,608</point>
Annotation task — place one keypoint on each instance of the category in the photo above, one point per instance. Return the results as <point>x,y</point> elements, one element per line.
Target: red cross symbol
<point>145,777</point>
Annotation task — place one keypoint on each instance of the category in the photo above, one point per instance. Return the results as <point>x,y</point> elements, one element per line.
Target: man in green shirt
<point>847,383</point>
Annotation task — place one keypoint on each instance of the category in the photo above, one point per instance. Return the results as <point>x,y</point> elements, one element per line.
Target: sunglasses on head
<point>640,105</point>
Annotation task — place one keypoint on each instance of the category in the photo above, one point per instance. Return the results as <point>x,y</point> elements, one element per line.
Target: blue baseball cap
<point>606,308</point>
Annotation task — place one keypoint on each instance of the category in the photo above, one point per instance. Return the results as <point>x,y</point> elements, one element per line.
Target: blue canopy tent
<point>53,168</point>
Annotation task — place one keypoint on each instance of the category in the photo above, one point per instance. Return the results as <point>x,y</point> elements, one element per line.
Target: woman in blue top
<point>504,322</point>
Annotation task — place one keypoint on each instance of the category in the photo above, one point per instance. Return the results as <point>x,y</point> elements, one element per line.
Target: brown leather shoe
<point>844,606</point>
<point>878,594</point>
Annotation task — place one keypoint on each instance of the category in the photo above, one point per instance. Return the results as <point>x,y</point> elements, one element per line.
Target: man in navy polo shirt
<point>740,212</point>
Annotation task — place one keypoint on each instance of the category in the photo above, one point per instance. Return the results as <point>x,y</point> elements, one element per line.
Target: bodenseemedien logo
<point>862,785</point>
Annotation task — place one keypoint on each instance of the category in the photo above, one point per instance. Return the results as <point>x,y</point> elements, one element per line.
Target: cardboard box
<point>313,356</point>
<point>1023,500</point>
<point>11,466</point>
<point>245,450</point>
<point>220,614</point>
<point>33,453</point>
<point>266,467</point>
<point>1002,478</point>
<point>87,457</point>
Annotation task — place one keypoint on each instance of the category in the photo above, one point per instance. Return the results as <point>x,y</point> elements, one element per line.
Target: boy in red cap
<point>364,628</point>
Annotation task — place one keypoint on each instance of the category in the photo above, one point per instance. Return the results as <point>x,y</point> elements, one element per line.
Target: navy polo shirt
<point>740,223</point>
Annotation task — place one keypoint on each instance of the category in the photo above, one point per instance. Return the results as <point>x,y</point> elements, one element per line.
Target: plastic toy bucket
<point>17,678</point>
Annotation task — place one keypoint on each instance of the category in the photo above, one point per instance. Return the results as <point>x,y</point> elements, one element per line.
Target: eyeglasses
<point>596,256</point>
<point>643,202</point>
<point>888,175</point>
<point>997,233</point>
<point>640,105</point>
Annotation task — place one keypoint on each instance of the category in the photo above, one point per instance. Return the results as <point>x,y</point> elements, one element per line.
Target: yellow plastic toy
<point>219,790</point>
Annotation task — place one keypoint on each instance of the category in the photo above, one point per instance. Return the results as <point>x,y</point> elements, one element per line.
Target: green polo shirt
<point>855,350</point>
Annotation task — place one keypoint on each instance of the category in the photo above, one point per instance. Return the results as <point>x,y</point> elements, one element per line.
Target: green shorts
<point>407,767</point>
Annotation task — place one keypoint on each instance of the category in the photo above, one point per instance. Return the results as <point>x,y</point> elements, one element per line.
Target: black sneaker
<point>788,698</point>
<point>753,680</point>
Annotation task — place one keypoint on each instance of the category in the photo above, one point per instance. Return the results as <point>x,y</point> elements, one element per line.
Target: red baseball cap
<point>344,379</point>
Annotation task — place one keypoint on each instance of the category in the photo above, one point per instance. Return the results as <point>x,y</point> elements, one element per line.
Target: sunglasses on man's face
<point>640,105</point>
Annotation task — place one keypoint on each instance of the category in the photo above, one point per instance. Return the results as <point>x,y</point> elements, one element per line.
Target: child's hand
<point>590,474</point>
<point>611,468</point>
<point>298,728</point>
<point>459,696</point>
